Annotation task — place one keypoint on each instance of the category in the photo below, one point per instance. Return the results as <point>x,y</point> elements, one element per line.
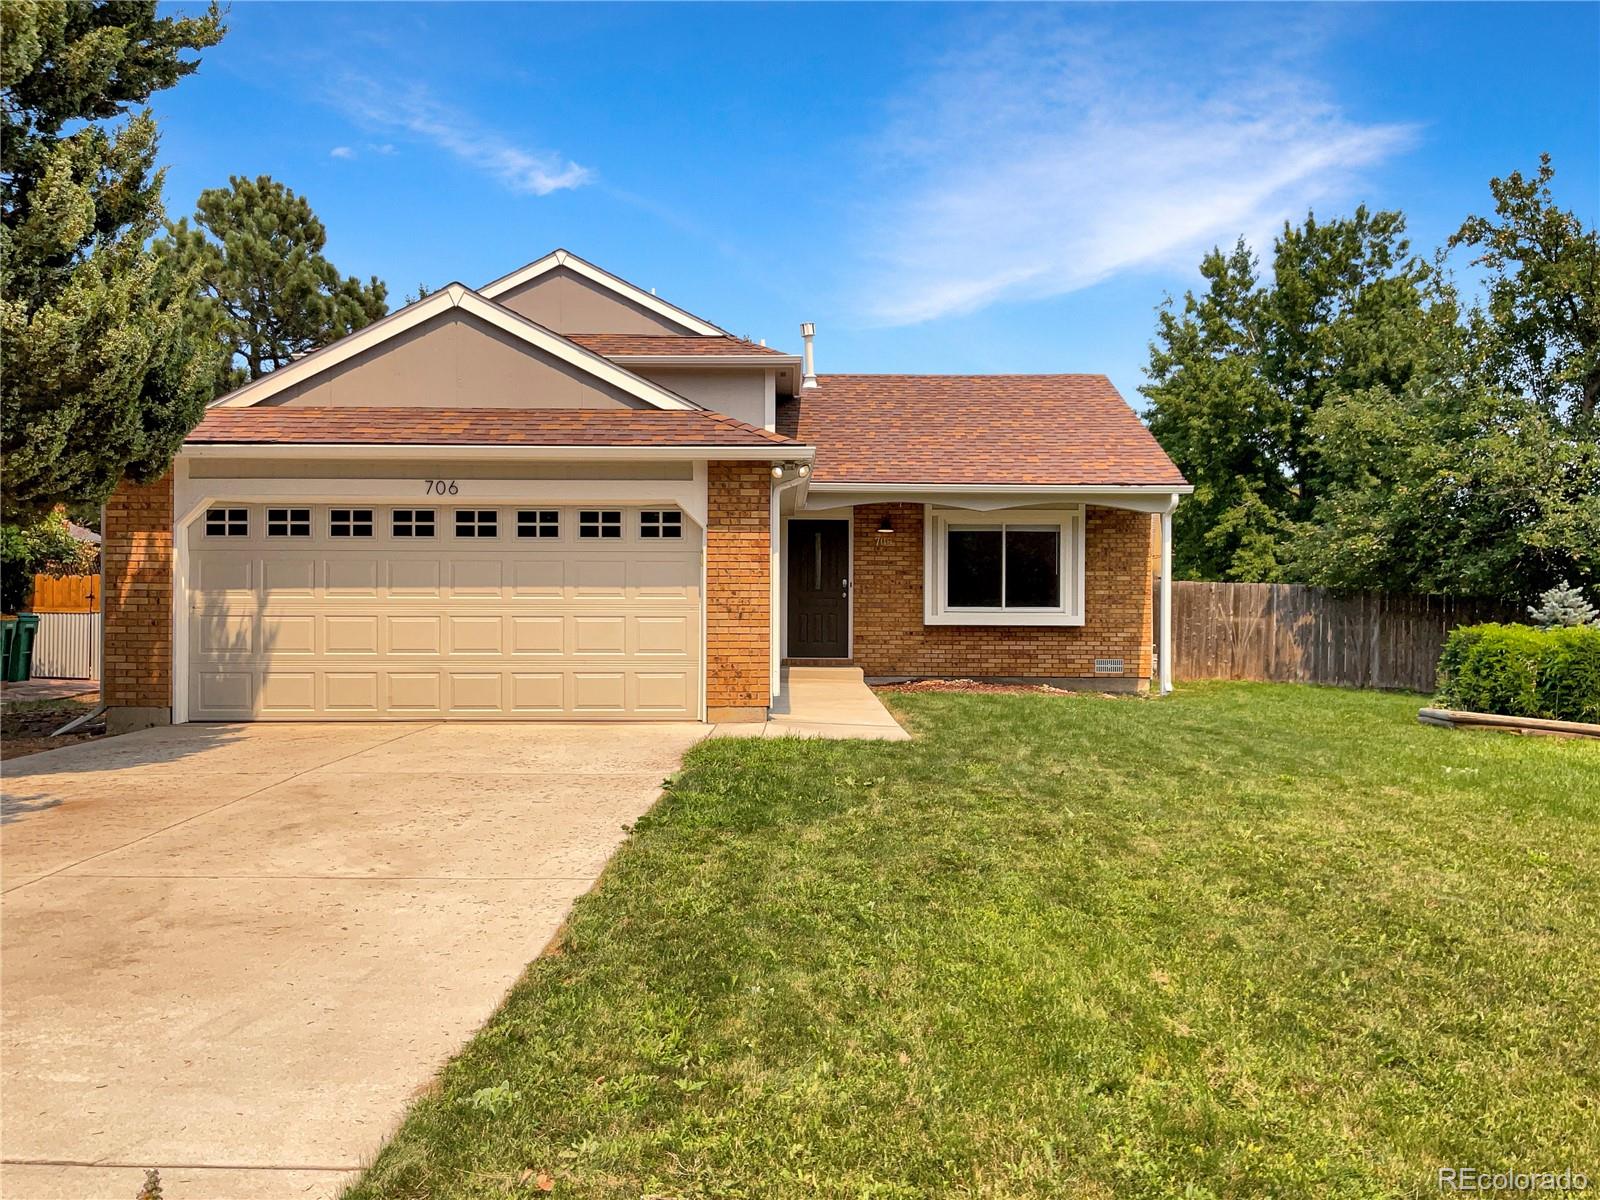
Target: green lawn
<point>1250,940</point>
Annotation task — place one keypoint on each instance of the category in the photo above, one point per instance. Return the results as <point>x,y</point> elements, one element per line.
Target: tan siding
<point>454,361</point>
<point>741,394</point>
<point>566,302</point>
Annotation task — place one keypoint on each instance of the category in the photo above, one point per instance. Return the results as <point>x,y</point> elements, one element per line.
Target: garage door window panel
<point>350,522</point>
<point>541,523</point>
<point>227,522</point>
<point>655,524</point>
<point>604,524</point>
<point>477,523</point>
<point>413,523</point>
<point>289,522</point>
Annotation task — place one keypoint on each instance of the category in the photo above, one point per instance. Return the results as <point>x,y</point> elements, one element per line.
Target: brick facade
<point>136,564</point>
<point>738,591</point>
<point>890,638</point>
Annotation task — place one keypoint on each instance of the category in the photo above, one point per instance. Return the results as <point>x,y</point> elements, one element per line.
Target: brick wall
<point>890,638</point>
<point>738,589</point>
<point>136,564</point>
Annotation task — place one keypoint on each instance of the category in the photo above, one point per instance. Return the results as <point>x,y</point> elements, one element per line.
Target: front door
<point>819,589</point>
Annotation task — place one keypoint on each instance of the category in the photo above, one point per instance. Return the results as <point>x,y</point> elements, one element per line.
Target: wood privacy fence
<point>66,593</point>
<point>1291,633</point>
<point>67,644</point>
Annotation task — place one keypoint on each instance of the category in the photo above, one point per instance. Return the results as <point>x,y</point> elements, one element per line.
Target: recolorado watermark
<point>1474,1179</point>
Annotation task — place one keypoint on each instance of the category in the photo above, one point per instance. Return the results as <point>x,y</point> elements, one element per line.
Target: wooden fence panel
<point>66,593</point>
<point>1292,633</point>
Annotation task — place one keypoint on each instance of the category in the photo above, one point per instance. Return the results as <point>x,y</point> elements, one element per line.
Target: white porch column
<point>1164,649</point>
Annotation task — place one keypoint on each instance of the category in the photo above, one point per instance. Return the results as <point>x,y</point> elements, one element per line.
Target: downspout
<point>780,485</point>
<point>1164,649</point>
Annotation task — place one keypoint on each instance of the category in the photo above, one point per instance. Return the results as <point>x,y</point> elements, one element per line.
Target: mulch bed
<point>977,686</point>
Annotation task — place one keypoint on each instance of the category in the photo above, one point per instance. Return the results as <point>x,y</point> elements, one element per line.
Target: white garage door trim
<point>194,496</point>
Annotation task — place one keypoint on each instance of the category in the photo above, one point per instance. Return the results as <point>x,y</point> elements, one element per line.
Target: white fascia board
<point>620,287</point>
<point>462,297</point>
<point>349,450</point>
<point>980,497</point>
<point>1052,489</point>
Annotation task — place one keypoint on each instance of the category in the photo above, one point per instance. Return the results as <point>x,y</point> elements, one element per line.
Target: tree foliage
<point>1346,424</point>
<point>1541,324</point>
<point>267,291</point>
<point>103,376</point>
<point>1239,372</point>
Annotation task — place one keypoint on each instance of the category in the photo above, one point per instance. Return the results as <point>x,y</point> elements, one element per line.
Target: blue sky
<point>941,188</point>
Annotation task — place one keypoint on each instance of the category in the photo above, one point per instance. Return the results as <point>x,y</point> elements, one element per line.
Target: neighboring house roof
<point>81,533</point>
<point>621,287</point>
<point>455,295</point>
<point>477,427</point>
<point>1043,430</point>
<point>654,345</point>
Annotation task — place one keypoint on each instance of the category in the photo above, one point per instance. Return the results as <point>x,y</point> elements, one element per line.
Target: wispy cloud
<point>341,152</point>
<point>414,112</point>
<point>1045,157</point>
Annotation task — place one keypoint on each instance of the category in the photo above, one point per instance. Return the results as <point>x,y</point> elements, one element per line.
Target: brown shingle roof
<point>477,427</point>
<point>975,429</point>
<point>686,346</point>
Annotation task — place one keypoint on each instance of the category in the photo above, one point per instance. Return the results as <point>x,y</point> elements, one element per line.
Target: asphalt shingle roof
<point>1048,430</point>
<point>289,425</point>
<point>686,346</point>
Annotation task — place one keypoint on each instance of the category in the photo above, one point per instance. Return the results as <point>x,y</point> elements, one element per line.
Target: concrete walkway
<point>824,702</point>
<point>237,952</point>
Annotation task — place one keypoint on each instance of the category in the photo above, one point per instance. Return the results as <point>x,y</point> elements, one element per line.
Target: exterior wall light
<point>885,524</point>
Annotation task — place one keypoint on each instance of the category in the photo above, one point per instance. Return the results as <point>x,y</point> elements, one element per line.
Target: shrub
<point>1523,672</point>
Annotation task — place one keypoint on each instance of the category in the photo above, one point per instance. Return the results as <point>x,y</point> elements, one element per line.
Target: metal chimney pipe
<point>808,331</point>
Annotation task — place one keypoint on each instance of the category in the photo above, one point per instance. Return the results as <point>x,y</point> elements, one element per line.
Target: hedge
<point>1520,671</point>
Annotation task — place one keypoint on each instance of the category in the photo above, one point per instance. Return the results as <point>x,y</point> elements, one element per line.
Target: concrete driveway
<point>235,952</point>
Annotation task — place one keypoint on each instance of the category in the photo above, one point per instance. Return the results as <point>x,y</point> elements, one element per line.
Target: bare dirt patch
<point>26,728</point>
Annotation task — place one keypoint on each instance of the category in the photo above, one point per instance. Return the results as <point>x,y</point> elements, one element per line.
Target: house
<point>559,496</point>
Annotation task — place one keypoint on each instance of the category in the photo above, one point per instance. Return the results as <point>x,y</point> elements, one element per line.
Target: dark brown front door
<point>819,589</point>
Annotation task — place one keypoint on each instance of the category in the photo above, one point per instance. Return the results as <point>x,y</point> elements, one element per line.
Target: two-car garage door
<point>398,612</point>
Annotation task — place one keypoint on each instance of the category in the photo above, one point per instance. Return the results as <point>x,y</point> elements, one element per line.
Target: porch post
<point>1164,650</point>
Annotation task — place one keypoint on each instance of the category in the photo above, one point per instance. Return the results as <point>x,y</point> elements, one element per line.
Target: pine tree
<point>1562,605</point>
<point>103,376</point>
<point>267,292</point>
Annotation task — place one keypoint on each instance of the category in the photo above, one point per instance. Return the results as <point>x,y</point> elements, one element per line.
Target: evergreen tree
<point>102,374</point>
<point>267,292</point>
<point>1562,606</point>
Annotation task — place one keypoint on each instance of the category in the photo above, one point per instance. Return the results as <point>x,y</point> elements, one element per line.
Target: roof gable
<point>635,296</point>
<point>456,296</point>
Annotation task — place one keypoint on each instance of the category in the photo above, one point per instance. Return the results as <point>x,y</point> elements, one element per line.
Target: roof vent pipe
<point>808,331</point>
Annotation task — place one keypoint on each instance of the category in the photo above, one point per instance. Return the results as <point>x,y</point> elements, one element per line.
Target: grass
<point>1250,940</point>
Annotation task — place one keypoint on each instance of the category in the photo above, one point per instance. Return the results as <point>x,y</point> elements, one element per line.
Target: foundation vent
<point>1108,666</point>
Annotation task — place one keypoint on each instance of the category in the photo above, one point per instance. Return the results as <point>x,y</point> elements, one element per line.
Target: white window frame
<point>293,524</point>
<point>232,521</point>
<point>601,529</point>
<point>1068,522</point>
<point>411,523</point>
<point>667,527</point>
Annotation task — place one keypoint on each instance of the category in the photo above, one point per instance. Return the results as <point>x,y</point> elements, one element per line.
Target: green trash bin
<point>19,659</point>
<point>9,625</point>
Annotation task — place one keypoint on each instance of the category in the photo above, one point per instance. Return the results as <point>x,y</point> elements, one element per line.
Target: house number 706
<point>442,487</point>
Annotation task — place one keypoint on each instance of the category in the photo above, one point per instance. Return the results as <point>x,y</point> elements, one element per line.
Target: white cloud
<point>415,112</point>
<point>341,152</point>
<point>1045,157</point>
